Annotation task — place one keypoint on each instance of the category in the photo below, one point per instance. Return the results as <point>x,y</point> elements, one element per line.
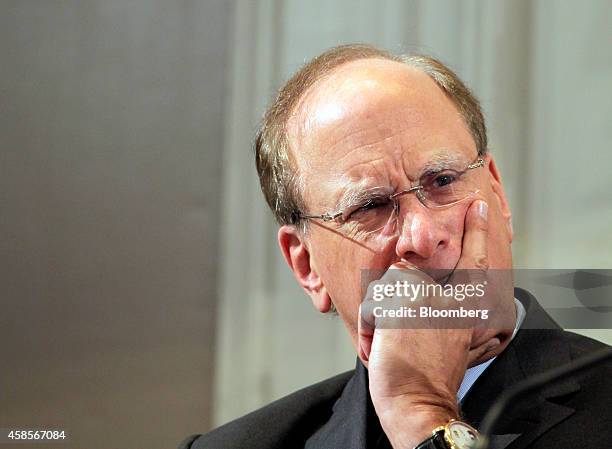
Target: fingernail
<point>483,209</point>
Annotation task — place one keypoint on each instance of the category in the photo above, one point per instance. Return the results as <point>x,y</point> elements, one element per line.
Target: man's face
<point>377,123</point>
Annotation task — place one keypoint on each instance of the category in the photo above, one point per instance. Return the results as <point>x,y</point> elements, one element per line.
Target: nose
<point>421,233</point>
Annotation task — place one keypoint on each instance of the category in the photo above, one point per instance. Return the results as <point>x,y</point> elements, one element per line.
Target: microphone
<point>534,383</point>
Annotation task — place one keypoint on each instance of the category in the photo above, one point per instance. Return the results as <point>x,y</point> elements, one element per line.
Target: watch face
<point>462,435</point>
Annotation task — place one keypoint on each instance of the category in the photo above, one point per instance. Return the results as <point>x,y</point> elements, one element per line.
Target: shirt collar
<point>472,374</point>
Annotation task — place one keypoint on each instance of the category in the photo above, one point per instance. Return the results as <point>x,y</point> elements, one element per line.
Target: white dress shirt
<point>473,373</point>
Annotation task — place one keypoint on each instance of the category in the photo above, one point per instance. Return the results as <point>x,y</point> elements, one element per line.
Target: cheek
<point>453,226</point>
<point>333,259</point>
<point>341,264</point>
<point>454,221</point>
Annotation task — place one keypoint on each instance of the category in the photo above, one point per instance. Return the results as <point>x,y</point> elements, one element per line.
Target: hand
<point>415,373</point>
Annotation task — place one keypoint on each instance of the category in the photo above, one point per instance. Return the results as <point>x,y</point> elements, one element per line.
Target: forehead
<point>372,119</point>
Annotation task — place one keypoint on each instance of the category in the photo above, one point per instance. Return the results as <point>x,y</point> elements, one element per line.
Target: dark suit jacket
<point>338,413</point>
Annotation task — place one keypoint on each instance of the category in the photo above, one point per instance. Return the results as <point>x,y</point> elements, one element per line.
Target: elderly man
<point>377,163</point>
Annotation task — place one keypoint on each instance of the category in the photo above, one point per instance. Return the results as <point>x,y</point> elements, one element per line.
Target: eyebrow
<point>356,193</point>
<point>442,161</point>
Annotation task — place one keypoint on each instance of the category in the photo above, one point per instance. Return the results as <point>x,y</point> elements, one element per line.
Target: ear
<point>498,190</point>
<point>294,247</point>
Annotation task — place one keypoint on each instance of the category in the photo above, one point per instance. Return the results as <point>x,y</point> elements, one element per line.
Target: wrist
<point>406,427</point>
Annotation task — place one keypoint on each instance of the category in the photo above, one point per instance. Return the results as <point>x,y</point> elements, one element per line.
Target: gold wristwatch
<point>454,435</point>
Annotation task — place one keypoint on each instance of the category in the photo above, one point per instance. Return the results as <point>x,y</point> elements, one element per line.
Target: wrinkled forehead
<point>371,118</point>
<point>354,95</point>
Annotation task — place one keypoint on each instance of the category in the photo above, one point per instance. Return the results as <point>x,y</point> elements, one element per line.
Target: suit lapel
<point>539,346</point>
<point>348,427</point>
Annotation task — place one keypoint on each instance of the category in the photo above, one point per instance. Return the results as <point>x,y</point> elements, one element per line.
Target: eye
<point>443,179</point>
<point>370,205</point>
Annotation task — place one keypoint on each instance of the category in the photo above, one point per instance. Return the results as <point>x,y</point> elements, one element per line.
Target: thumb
<point>474,254</point>
<point>365,330</point>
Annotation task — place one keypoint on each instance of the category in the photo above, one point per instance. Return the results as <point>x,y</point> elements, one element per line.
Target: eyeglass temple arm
<point>478,163</point>
<point>324,217</point>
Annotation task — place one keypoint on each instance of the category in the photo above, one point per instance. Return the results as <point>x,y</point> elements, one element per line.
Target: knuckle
<point>481,262</point>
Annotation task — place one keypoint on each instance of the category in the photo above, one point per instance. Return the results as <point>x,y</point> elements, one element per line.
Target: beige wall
<point>111,130</point>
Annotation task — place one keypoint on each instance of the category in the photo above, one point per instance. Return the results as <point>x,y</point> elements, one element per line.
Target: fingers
<point>381,298</point>
<point>474,254</point>
<point>365,330</point>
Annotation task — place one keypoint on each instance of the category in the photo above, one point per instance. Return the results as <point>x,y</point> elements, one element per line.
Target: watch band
<point>436,441</point>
